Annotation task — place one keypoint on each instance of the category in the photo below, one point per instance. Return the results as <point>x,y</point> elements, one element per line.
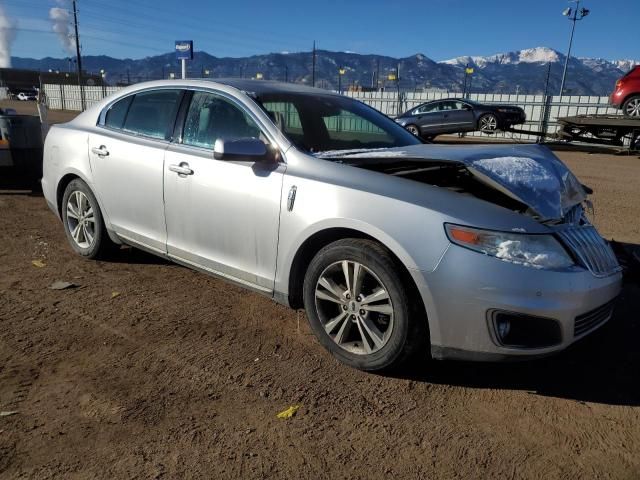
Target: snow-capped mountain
<point>523,71</point>
<point>529,55</point>
<point>626,65</point>
<point>539,55</point>
<point>526,70</point>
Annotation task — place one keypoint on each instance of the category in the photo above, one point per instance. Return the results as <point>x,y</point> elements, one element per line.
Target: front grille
<point>591,249</point>
<point>590,320</point>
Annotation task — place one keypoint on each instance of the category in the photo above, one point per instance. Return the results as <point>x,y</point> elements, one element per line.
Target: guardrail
<point>542,112</point>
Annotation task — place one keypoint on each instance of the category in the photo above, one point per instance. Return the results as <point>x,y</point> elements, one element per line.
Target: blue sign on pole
<point>184,49</point>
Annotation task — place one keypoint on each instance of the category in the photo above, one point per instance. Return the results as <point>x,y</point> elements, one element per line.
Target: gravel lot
<point>150,370</point>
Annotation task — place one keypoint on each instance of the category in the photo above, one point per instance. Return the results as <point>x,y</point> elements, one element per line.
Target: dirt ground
<point>151,370</point>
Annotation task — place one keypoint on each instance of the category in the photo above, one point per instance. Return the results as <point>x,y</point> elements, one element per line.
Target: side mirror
<point>243,150</point>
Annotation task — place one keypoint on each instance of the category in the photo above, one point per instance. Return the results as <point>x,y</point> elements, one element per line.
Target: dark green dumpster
<point>20,151</point>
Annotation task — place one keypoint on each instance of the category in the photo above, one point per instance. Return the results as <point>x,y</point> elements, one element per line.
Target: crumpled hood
<point>531,174</point>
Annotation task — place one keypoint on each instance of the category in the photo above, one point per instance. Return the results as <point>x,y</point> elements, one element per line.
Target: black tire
<point>631,107</point>
<point>409,332</point>
<point>413,129</point>
<point>489,118</point>
<point>100,243</point>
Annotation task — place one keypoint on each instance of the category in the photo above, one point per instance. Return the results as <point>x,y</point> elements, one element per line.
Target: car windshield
<point>320,123</point>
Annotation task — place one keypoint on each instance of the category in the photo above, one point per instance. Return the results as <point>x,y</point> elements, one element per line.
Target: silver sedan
<point>394,248</point>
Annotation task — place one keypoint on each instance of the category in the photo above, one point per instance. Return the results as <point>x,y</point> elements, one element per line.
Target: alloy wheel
<point>488,123</point>
<point>413,129</point>
<point>632,108</point>
<point>80,219</point>
<point>354,307</point>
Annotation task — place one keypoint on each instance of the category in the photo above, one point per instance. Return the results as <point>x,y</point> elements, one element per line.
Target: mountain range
<point>523,71</point>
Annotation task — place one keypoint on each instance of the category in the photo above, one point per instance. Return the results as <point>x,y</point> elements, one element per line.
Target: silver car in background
<point>393,247</point>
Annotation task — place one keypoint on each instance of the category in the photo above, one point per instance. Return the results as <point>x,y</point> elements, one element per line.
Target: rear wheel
<point>359,307</point>
<point>83,223</point>
<point>488,123</point>
<point>631,107</point>
<point>413,129</point>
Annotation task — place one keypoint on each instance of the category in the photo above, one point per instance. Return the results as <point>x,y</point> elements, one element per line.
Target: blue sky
<point>440,29</point>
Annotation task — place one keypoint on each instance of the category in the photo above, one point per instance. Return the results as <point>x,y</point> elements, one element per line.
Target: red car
<point>627,93</point>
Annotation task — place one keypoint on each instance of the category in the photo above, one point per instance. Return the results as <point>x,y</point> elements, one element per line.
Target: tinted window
<point>319,122</point>
<point>427,108</point>
<point>152,114</point>
<point>211,117</point>
<point>344,125</point>
<point>450,105</point>
<point>114,117</point>
<point>286,117</point>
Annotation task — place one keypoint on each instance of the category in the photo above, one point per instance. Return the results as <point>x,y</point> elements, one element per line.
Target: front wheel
<point>359,307</point>
<point>488,123</point>
<point>631,107</point>
<point>83,223</point>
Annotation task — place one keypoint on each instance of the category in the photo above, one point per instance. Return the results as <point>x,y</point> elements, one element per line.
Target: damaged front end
<point>528,179</point>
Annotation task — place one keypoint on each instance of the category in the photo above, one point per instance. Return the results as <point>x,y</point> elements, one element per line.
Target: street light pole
<point>578,14</point>
<point>341,72</point>
<point>313,65</point>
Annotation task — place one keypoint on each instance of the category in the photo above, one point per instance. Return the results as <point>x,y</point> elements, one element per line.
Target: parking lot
<point>146,369</point>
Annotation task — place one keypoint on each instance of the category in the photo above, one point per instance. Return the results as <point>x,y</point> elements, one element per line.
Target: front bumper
<point>466,286</point>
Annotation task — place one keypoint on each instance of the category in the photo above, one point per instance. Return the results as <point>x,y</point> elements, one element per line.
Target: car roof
<point>262,87</point>
<point>452,99</point>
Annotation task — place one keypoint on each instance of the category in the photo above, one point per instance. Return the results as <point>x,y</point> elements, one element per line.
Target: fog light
<point>503,327</point>
<point>518,330</point>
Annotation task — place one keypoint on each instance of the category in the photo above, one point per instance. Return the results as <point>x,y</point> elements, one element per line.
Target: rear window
<point>152,114</point>
<point>116,114</point>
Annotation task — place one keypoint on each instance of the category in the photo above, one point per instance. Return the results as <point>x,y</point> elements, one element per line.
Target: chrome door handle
<point>182,169</point>
<point>101,151</point>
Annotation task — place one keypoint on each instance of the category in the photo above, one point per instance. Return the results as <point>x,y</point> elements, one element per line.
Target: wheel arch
<point>314,243</point>
<point>61,187</point>
<point>629,97</point>
<point>64,181</point>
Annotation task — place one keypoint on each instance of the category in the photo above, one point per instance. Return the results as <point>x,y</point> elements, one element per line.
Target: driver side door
<point>429,118</point>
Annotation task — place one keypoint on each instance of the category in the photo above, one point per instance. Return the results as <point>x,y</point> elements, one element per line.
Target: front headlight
<point>401,121</point>
<point>538,251</point>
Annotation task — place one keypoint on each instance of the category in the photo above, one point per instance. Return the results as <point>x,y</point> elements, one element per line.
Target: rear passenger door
<point>127,160</point>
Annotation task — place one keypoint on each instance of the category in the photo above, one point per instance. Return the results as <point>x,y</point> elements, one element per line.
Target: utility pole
<point>578,14</point>
<point>313,65</point>
<point>79,63</point>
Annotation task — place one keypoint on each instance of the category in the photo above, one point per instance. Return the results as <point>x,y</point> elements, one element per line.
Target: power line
<point>95,37</point>
<point>174,12</point>
<point>147,20</point>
